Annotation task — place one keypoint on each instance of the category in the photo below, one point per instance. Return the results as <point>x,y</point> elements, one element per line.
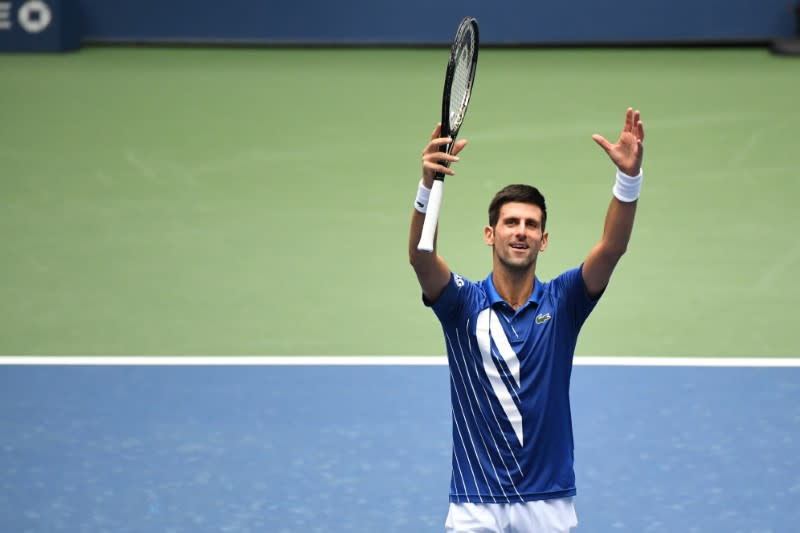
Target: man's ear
<point>545,240</point>
<point>488,235</point>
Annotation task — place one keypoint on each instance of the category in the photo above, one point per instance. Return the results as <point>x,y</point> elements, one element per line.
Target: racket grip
<point>431,217</point>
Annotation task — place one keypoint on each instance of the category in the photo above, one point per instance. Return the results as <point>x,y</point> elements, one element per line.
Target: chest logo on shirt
<point>542,318</point>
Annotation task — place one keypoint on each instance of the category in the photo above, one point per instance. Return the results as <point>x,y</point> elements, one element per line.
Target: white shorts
<point>541,516</point>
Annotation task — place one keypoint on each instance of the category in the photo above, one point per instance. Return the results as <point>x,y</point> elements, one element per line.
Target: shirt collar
<point>494,297</point>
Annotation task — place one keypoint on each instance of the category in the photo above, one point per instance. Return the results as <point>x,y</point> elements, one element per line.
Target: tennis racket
<point>458,82</point>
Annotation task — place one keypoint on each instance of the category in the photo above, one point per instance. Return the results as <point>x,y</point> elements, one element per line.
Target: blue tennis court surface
<point>366,448</point>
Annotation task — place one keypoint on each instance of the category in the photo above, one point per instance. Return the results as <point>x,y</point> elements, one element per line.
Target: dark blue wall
<point>403,22</point>
<point>426,22</point>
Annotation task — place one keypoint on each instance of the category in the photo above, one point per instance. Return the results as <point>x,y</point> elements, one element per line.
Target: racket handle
<point>431,217</point>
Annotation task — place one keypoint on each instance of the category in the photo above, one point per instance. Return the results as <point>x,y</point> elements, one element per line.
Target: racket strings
<point>459,90</point>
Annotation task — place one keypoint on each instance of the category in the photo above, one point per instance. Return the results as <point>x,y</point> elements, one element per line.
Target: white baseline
<point>369,360</point>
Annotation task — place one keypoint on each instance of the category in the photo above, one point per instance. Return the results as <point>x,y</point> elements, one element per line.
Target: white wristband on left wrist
<point>627,188</point>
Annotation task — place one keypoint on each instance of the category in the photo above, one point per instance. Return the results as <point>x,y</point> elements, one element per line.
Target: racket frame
<point>427,238</point>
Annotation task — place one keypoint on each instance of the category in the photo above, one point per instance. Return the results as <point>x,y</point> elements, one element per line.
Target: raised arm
<point>627,155</point>
<point>432,271</point>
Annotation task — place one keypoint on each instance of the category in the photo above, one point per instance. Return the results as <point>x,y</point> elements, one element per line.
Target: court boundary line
<point>371,360</point>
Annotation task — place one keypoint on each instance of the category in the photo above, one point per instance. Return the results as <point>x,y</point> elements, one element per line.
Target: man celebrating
<point>510,342</point>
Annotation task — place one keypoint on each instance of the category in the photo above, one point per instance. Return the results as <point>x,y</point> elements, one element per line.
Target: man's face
<point>517,238</point>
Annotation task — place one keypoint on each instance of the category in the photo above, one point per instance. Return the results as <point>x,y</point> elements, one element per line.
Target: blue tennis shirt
<point>509,387</point>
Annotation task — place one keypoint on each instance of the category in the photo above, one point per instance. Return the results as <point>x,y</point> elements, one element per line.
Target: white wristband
<point>627,188</point>
<point>423,194</point>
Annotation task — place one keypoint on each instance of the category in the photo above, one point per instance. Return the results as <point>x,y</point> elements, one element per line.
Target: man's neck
<point>515,287</point>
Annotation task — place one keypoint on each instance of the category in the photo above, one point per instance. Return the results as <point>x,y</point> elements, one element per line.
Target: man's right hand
<point>433,158</point>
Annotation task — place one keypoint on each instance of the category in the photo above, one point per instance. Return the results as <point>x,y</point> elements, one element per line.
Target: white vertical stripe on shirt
<point>474,396</point>
<point>506,351</point>
<point>455,456</point>
<point>477,356</point>
<point>484,336</point>
<point>469,432</point>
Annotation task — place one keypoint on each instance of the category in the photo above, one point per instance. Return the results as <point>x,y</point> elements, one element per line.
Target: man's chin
<point>518,264</point>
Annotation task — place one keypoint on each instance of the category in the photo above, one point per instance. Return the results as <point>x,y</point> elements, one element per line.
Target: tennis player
<point>510,342</point>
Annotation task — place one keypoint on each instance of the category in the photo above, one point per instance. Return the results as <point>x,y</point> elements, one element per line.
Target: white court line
<point>371,360</point>
<point>688,361</point>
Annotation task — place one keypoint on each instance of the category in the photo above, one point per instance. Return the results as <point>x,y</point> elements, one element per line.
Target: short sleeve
<point>454,300</point>
<point>573,294</point>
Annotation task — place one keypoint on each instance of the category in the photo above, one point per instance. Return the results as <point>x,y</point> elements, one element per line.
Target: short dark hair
<point>526,194</point>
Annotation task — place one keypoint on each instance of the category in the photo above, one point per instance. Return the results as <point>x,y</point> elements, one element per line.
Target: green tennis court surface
<point>256,201</point>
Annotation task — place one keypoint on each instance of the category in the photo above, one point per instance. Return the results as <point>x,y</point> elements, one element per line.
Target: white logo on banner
<point>34,16</point>
<point>5,15</point>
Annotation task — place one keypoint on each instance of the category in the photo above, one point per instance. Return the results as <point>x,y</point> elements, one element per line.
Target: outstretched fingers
<point>629,120</point>
<point>633,124</point>
<point>602,142</point>
<point>628,151</point>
